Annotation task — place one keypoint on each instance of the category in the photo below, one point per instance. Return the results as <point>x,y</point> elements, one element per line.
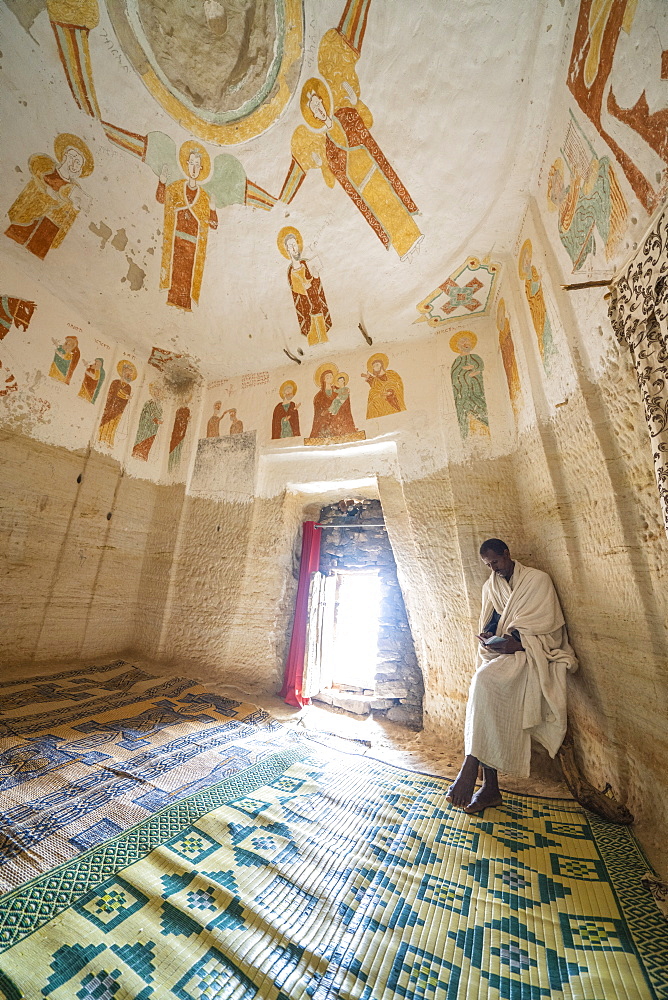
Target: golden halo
<point>501,305</point>
<point>195,147</point>
<point>65,139</point>
<point>283,235</point>
<point>126,364</point>
<point>327,367</point>
<point>285,385</point>
<point>526,248</point>
<point>457,337</point>
<point>344,376</point>
<point>319,87</point>
<point>383,358</point>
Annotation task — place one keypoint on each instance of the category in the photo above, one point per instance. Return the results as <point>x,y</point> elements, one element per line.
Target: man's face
<point>317,107</point>
<point>341,382</point>
<point>70,343</point>
<point>288,393</point>
<point>501,565</point>
<point>292,247</point>
<point>73,162</point>
<point>216,407</point>
<point>377,367</point>
<point>194,165</point>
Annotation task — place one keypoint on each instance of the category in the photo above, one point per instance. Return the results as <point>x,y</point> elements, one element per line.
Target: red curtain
<point>291,692</point>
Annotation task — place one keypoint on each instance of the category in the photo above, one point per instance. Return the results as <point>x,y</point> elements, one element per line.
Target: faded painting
<point>8,383</point>
<point>586,195</point>
<point>285,418</point>
<point>386,388</point>
<point>507,348</point>
<point>306,287</point>
<point>65,360</point>
<point>533,290</point>
<point>213,423</point>
<point>46,209</point>
<point>93,380</point>
<point>118,397</point>
<point>466,375</point>
<point>224,467</point>
<point>332,416</point>
<point>71,23</point>
<point>179,431</point>
<point>16,311</point>
<point>149,423</point>
<point>336,139</point>
<point>616,74</point>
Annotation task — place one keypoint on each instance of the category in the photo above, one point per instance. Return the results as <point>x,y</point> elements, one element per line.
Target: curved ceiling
<point>396,139</point>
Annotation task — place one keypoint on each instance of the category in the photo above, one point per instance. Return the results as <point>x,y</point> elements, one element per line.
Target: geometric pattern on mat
<point>330,876</point>
<point>85,754</point>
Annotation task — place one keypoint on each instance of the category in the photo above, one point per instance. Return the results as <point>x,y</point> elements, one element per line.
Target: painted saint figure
<point>46,209</point>
<point>508,356</point>
<point>65,360</point>
<point>119,393</point>
<point>16,311</point>
<point>533,289</point>
<point>236,425</point>
<point>591,202</point>
<point>149,422</point>
<point>92,381</point>
<point>188,218</point>
<point>386,388</point>
<point>332,416</point>
<point>213,423</point>
<point>285,419</point>
<point>179,431</point>
<point>339,143</point>
<point>467,385</point>
<point>306,288</point>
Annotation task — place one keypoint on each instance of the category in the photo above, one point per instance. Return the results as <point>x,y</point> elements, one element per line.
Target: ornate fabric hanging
<point>639,315</point>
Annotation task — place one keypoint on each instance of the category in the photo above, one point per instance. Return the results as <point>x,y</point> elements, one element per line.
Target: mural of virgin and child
<point>332,415</point>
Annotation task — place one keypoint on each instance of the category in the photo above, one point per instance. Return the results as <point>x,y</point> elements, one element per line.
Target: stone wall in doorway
<point>358,540</point>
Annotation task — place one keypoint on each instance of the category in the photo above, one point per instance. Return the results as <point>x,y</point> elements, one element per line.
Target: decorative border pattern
<point>27,909</point>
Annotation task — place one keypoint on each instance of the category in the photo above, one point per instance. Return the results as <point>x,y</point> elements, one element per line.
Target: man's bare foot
<point>461,790</point>
<point>484,798</point>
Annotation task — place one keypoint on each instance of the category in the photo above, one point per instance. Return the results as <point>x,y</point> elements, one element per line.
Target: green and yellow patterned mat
<point>317,875</point>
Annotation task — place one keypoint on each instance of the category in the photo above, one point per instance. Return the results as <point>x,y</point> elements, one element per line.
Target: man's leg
<point>488,795</point>
<point>460,791</point>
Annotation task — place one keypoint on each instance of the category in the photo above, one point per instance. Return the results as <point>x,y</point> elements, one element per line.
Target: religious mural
<point>73,48</point>
<point>65,360</point>
<point>507,348</point>
<point>149,422</point>
<point>285,418</point>
<point>16,311</point>
<point>467,292</point>
<point>179,431</point>
<point>468,388</point>
<point>597,80</point>
<point>190,188</point>
<point>386,388</point>
<point>306,287</point>
<point>236,425</point>
<point>93,380</point>
<point>8,383</point>
<point>45,211</point>
<point>332,417</point>
<point>118,396</point>
<point>159,358</point>
<point>336,139</point>
<point>533,290</point>
<point>586,195</point>
<point>213,423</point>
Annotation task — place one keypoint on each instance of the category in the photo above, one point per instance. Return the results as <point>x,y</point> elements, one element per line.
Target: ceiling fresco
<point>241,180</point>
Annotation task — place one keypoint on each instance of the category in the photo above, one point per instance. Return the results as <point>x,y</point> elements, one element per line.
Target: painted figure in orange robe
<point>46,209</point>
<point>119,393</point>
<point>306,287</point>
<point>188,218</point>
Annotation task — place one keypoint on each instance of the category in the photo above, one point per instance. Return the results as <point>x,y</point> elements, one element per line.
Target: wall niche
<point>356,540</point>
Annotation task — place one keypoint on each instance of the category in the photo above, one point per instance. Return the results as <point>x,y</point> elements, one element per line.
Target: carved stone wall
<point>361,542</point>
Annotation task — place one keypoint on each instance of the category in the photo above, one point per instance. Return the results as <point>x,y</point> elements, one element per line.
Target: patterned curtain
<point>639,315</point>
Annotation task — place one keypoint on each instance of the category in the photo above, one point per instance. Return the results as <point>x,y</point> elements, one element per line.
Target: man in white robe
<point>519,688</point>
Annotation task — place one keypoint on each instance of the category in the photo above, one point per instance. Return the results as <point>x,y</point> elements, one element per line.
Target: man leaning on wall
<point>519,688</point>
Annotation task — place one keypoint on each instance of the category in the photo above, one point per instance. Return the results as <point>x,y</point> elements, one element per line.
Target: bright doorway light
<point>353,651</point>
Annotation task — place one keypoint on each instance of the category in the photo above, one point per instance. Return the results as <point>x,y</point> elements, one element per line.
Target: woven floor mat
<point>313,874</point>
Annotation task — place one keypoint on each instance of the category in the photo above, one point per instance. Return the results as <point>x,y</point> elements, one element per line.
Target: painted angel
<point>336,138</point>
<point>191,188</point>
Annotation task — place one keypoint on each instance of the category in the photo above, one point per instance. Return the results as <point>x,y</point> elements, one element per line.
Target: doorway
<point>353,649</point>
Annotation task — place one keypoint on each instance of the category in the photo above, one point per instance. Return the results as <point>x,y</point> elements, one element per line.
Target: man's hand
<point>510,645</point>
<point>484,636</point>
